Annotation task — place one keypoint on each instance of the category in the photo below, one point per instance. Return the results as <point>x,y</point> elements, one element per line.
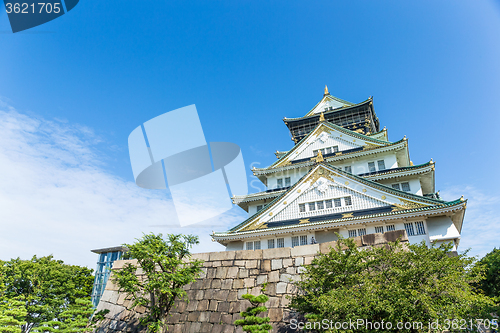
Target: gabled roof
<point>395,202</point>
<point>365,140</point>
<point>328,99</point>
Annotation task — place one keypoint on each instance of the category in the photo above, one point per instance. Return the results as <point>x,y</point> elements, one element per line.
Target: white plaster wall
<point>316,143</point>
<point>442,227</point>
<point>295,175</point>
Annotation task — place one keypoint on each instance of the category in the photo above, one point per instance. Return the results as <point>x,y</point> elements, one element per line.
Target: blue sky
<point>73,89</point>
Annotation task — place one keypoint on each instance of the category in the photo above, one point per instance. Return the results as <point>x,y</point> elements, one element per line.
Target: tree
<point>44,287</point>
<point>491,264</point>
<point>167,267</point>
<point>251,322</point>
<point>79,317</point>
<point>391,284</point>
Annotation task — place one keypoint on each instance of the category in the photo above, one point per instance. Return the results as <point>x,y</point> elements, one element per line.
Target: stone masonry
<point>215,298</point>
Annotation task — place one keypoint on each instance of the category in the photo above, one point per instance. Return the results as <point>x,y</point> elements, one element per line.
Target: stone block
<point>232,296</point>
<point>239,262</point>
<point>213,305</point>
<point>301,269</point>
<point>232,272</point>
<point>174,318</point>
<point>199,294</point>
<point>251,264</point>
<point>265,265</point>
<point>221,272</point>
<point>308,260</point>
<point>276,264</point>
<point>228,328</point>
<point>283,252</point>
<point>207,283</point>
<point>195,328</point>
<point>281,287</point>
<point>216,284</point>
<point>249,282</point>
<point>201,256</point>
<point>110,296</point>
<point>207,264</point>
<point>204,316</point>
<point>193,316</point>
<point>209,294</point>
<point>221,295</point>
<point>203,305</point>
<point>181,306</point>
<point>228,263</point>
<point>271,289</point>
<point>223,307</point>
<point>261,279</point>
<point>274,276</point>
<point>216,263</point>
<point>238,283</point>
<point>121,298</point>
<point>276,314</point>
<point>243,273</point>
<point>211,273</point>
<point>234,307</point>
<point>192,305</point>
<point>372,239</point>
<point>287,262</point>
<point>253,271</point>
<point>223,255</point>
<point>291,270</point>
<point>217,328</point>
<point>304,250</point>
<point>392,236</point>
<point>273,302</point>
<point>249,254</point>
<point>206,328</point>
<point>215,317</point>
<point>285,277</point>
<point>241,292</point>
<point>226,318</point>
<point>203,273</point>
<point>291,288</point>
<point>237,316</point>
<point>227,284</point>
<point>299,261</point>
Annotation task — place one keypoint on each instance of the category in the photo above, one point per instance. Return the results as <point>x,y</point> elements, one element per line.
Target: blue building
<point>104,264</point>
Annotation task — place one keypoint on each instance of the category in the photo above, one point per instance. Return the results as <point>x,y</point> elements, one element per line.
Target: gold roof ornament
<point>319,158</point>
<point>321,117</point>
<point>411,163</point>
<point>326,91</point>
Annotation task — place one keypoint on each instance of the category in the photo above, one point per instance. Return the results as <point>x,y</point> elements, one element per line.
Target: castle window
<point>352,233</point>
<point>420,228</point>
<point>396,187</point>
<point>249,245</point>
<point>259,207</point>
<point>288,182</point>
<point>361,232</point>
<point>381,165</point>
<point>295,241</point>
<point>335,149</point>
<point>256,245</point>
<point>270,243</point>
<point>348,201</point>
<point>405,187</point>
<point>280,183</point>
<point>320,205</point>
<point>328,150</point>
<point>312,206</point>
<point>328,203</point>
<point>280,242</point>
<point>303,240</point>
<point>371,167</point>
<point>379,230</point>
<point>348,169</point>
<point>390,227</point>
<point>409,229</point>
<point>302,208</point>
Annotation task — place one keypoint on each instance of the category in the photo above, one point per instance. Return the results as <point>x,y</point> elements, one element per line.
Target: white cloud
<point>480,231</point>
<point>56,196</point>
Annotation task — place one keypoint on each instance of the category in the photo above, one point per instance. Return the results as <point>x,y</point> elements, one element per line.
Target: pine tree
<point>251,322</point>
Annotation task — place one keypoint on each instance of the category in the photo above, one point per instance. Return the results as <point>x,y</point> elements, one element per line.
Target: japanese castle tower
<point>343,176</point>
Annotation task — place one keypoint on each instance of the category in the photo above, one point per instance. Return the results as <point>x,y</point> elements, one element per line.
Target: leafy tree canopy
<point>396,283</point>
<point>43,287</point>
<point>491,283</point>
<point>167,267</point>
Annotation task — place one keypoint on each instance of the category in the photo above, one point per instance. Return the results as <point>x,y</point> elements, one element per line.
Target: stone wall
<point>215,298</point>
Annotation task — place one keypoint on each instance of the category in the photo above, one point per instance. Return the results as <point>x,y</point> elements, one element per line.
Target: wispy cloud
<point>481,229</point>
<point>56,196</point>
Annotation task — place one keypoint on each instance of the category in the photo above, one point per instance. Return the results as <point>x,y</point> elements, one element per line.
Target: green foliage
<point>491,264</point>
<point>251,322</point>
<point>42,289</point>
<point>167,268</point>
<point>75,319</point>
<point>394,283</point>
